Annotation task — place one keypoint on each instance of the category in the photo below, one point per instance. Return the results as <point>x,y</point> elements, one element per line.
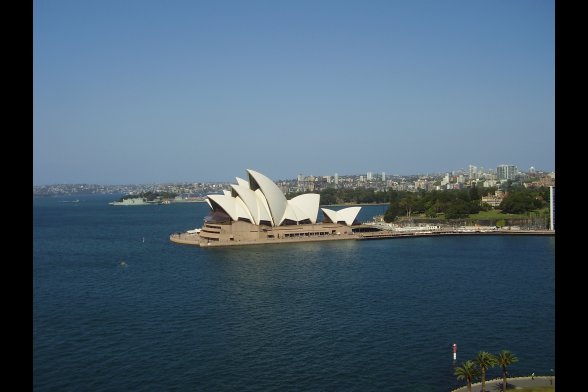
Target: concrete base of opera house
<point>243,233</point>
<point>194,239</point>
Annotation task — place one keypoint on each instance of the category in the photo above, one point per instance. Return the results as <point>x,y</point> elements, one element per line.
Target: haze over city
<point>147,91</point>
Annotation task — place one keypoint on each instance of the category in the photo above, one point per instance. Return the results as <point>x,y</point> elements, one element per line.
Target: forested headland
<point>442,205</point>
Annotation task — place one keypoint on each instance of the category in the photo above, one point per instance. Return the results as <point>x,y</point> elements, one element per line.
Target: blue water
<point>114,313</point>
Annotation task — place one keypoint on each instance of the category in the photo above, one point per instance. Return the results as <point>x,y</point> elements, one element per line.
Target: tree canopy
<point>452,203</point>
<point>522,200</point>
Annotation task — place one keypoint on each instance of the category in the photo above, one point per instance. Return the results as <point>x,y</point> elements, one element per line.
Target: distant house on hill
<point>495,199</point>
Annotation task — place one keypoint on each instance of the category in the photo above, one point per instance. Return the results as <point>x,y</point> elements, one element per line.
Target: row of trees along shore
<point>443,204</point>
<point>151,196</point>
<point>472,370</point>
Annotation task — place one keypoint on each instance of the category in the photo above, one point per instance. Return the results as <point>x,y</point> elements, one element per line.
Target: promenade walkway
<point>495,384</point>
<point>194,239</point>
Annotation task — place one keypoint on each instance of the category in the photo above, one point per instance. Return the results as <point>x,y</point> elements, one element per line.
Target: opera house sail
<point>256,211</point>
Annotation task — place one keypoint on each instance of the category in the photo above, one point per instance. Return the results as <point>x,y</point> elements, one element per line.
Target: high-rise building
<point>473,172</point>
<point>551,208</point>
<point>445,180</point>
<point>336,179</point>
<point>369,176</point>
<point>506,172</point>
<point>384,176</point>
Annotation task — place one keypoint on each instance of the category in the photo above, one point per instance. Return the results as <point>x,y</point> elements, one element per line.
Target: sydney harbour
<point>394,197</point>
<point>116,306</point>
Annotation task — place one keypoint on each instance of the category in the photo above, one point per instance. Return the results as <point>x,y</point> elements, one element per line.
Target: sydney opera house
<point>257,211</point>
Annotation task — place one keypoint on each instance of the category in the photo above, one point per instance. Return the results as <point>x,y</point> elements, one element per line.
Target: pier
<point>383,234</point>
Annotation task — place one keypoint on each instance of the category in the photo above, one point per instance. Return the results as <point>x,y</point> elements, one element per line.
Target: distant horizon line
<point>278,179</point>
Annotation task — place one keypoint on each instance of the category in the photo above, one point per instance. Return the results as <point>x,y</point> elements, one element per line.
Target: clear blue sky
<point>140,91</point>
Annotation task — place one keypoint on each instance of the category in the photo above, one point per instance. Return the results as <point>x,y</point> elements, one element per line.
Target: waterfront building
<point>257,211</point>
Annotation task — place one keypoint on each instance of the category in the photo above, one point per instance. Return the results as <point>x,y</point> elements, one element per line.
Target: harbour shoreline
<point>195,240</point>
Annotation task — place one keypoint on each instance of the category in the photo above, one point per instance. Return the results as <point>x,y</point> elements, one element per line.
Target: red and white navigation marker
<point>454,351</point>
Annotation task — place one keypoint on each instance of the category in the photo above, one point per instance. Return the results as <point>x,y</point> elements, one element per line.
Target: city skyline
<point>472,171</point>
<point>169,92</point>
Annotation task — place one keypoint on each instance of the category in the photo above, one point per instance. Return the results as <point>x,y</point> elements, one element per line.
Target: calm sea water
<point>117,307</point>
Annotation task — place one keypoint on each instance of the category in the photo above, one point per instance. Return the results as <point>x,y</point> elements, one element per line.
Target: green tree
<point>505,359</point>
<point>407,204</point>
<point>393,196</point>
<point>419,203</point>
<point>392,212</point>
<point>328,196</point>
<point>545,194</point>
<point>457,209</point>
<point>366,196</point>
<point>487,191</point>
<point>431,212</point>
<point>394,209</point>
<point>475,206</point>
<point>463,195</point>
<point>485,207</point>
<point>485,361</point>
<point>468,372</point>
<point>474,194</point>
<point>521,201</point>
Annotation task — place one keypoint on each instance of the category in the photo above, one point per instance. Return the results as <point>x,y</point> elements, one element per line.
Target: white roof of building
<point>257,209</point>
<point>346,215</point>
<point>275,198</point>
<point>260,199</point>
<point>308,204</point>
<point>233,206</point>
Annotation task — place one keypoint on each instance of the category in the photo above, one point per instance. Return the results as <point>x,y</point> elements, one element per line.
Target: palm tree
<point>467,371</point>
<point>505,358</point>
<point>485,361</point>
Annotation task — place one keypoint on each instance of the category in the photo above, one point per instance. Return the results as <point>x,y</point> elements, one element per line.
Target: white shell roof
<point>293,213</point>
<point>308,203</point>
<point>331,214</point>
<point>262,207</point>
<point>275,198</point>
<point>346,215</point>
<point>242,182</point>
<point>260,199</point>
<point>233,206</point>
<point>227,203</point>
<point>254,205</point>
